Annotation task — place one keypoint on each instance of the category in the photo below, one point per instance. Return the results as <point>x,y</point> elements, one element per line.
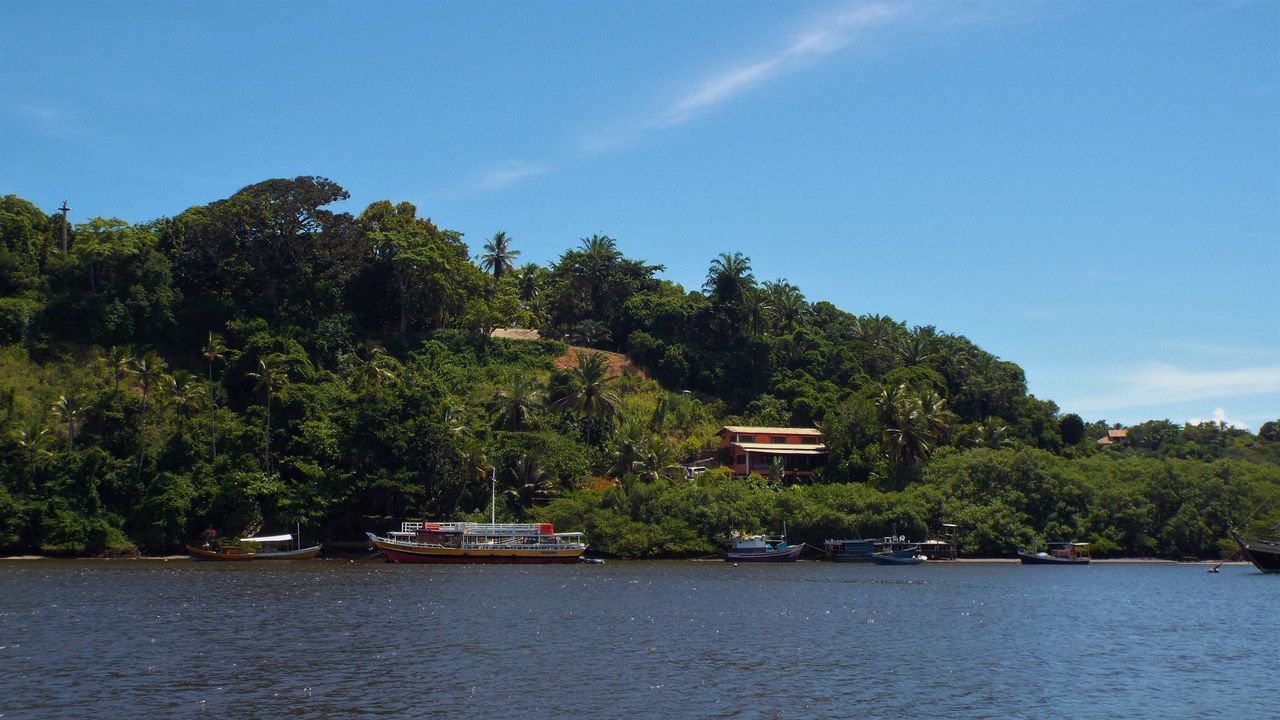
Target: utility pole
<point>64,210</point>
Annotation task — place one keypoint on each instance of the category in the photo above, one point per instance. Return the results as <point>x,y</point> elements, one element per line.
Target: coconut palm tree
<point>590,333</point>
<point>213,351</point>
<point>516,405</point>
<point>149,369</point>
<point>629,444</point>
<point>590,397</point>
<point>531,482</point>
<point>529,283</point>
<point>184,394</point>
<point>369,374</point>
<point>270,378</point>
<point>498,257</point>
<point>33,441</point>
<point>70,412</point>
<point>657,462</point>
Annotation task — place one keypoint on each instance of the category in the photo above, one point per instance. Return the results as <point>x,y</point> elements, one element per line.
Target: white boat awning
<point>267,538</point>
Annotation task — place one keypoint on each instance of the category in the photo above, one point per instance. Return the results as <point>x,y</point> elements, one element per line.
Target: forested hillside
<point>262,361</point>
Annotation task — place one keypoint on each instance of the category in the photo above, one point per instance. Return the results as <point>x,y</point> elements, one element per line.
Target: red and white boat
<point>464,542</point>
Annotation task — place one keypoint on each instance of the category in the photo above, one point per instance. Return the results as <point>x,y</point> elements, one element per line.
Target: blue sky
<point>1091,190</point>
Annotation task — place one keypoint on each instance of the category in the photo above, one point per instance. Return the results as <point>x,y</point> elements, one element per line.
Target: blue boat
<point>909,556</point>
<point>762,548</point>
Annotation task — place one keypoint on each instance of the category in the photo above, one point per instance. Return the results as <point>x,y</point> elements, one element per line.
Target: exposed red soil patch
<point>618,363</point>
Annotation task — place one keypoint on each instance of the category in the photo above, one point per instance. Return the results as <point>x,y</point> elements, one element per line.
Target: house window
<point>740,460</point>
<point>746,438</point>
<point>778,440</point>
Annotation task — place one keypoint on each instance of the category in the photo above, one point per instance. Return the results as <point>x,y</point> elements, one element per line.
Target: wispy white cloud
<point>508,174</point>
<point>834,34</point>
<point>1164,384</point>
<point>715,89</point>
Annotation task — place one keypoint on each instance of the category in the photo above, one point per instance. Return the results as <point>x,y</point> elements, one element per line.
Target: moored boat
<point>1265,555</point>
<point>228,552</point>
<point>276,547</point>
<point>908,556</point>
<point>465,542</point>
<point>1059,553</point>
<point>762,548</point>
<point>850,550</point>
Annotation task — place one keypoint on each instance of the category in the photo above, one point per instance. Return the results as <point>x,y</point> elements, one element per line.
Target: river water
<point>339,639</point>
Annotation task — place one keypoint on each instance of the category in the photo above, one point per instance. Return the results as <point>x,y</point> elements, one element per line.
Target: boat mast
<point>493,495</point>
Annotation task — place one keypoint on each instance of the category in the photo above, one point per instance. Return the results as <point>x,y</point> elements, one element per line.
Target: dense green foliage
<point>263,361</point>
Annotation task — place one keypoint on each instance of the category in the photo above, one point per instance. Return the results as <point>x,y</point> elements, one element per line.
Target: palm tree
<point>148,368</point>
<point>529,283</point>
<point>602,247</point>
<point>213,351</point>
<point>184,393</point>
<point>516,406</point>
<point>498,256</point>
<point>788,303</point>
<point>590,397</point>
<point>915,422</point>
<point>532,482</point>
<point>657,461</point>
<point>32,441</point>
<point>629,445</point>
<point>590,333</point>
<point>270,378</point>
<point>917,349</point>
<point>70,412</point>
<point>757,309</point>
<point>369,374</point>
<point>728,278</point>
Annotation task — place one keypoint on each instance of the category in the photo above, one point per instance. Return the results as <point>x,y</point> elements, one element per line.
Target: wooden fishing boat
<point>1265,555</point>
<point>465,542</point>
<point>226,552</point>
<point>762,548</point>
<point>276,547</point>
<point>1059,553</point>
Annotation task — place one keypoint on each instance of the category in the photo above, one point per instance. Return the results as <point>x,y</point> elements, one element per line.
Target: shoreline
<point>958,561</point>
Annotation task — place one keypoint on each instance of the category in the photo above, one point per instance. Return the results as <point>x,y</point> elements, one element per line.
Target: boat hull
<point>221,556</point>
<point>301,554</point>
<point>1264,555</point>
<point>791,554</point>
<point>1034,559</point>
<point>401,554</point>
<point>892,560</point>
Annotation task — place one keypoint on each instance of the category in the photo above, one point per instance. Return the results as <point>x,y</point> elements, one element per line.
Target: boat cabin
<point>1068,550</point>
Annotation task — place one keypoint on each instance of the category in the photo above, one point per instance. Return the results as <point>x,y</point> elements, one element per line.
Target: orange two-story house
<point>752,449</point>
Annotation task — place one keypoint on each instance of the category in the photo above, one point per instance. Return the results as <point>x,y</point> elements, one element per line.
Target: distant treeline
<point>262,361</point>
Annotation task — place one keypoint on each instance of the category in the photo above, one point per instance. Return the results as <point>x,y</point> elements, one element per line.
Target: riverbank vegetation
<point>263,361</point>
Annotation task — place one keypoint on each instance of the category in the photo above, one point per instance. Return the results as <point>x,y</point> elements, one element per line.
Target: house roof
<point>1117,434</point>
<point>768,430</point>
<point>782,448</point>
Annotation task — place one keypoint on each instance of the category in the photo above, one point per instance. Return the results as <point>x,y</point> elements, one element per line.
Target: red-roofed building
<point>752,449</point>
<point>1114,437</point>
